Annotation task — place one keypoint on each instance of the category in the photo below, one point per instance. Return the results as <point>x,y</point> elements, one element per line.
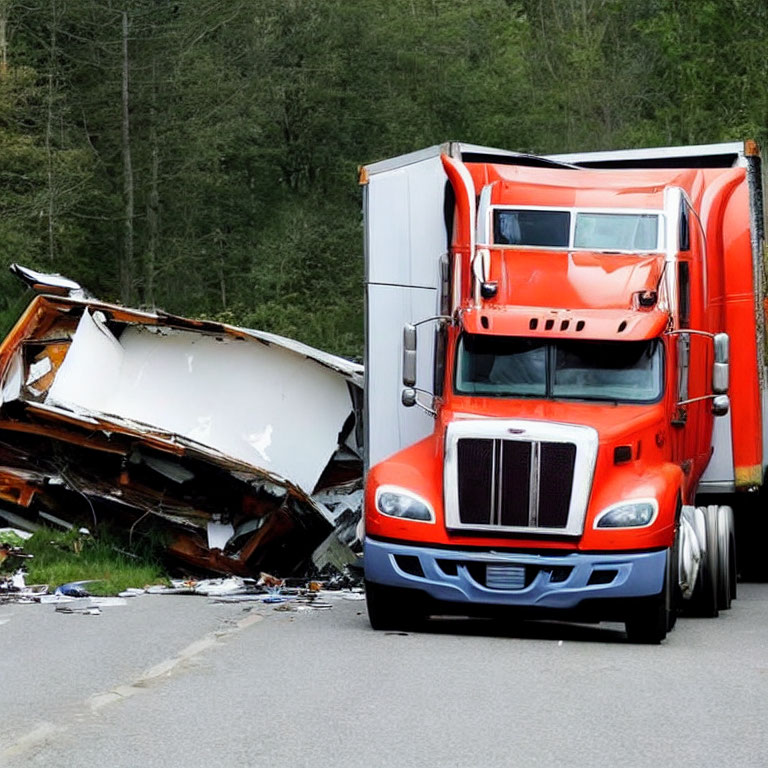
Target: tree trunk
<point>4,10</point>
<point>153,202</point>
<point>126,265</point>
<point>222,278</point>
<point>48,137</point>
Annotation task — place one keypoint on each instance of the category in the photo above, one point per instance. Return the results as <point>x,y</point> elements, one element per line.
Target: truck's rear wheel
<point>704,601</point>
<point>726,572</point>
<point>653,618</point>
<point>392,608</point>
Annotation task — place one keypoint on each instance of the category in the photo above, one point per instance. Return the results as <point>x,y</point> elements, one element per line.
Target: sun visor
<point>604,324</point>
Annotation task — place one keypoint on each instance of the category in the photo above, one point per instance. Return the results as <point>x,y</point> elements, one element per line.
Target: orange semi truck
<point>565,381</point>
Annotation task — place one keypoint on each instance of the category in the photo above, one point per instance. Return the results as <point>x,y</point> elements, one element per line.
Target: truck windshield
<point>616,231</point>
<point>595,231</point>
<point>547,229</point>
<point>508,366</point>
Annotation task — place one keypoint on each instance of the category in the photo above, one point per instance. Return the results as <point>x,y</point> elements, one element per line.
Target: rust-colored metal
<point>15,489</point>
<point>86,441</point>
<point>55,352</point>
<point>191,548</point>
<point>278,524</point>
<point>162,441</point>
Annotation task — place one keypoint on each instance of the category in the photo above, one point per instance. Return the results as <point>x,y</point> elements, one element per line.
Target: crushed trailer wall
<point>244,444</point>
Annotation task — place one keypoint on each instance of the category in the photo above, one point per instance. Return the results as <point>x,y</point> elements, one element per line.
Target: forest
<point>201,156</point>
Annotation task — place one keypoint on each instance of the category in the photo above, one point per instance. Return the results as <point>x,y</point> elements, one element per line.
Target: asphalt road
<point>179,681</point>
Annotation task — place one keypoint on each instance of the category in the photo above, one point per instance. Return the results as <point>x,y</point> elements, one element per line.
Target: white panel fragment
<point>12,381</point>
<point>354,371</point>
<point>46,280</point>
<point>219,534</point>
<point>262,404</point>
<point>39,369</point>
<point>89,374</point>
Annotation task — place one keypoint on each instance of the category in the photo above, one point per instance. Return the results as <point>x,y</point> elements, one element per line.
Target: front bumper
<point>535,581</point>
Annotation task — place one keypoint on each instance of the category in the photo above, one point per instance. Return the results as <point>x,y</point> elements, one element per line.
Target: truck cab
<point>577,363</point>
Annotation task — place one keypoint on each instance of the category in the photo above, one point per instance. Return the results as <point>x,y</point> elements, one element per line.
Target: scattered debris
<point>269,581</point>
<point>86,610</point>
<point>267,590</point>
<point>74,604</point>
<point>14,536</point>
<point>256,468</point>
<point>74,588</point>
<point>215,587</point>
<point>14,589</point>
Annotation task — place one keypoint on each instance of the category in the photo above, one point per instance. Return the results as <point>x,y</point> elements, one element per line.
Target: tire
<point>734,569</point>
<point>725,566</point>
<point>653,618</point>
<point>673,579</point>
<point>705,594</point>
<point>390,608</point>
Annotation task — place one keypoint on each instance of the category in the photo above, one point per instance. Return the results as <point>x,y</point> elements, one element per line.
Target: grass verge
<point>61,557</point>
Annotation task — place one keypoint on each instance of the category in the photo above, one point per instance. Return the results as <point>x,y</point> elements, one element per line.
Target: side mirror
<point>722,348</point>
<point>720,368</point>
<point>409,355</point>
<point>720,376</point>
<point>408,397</point>
<point>721,404</point>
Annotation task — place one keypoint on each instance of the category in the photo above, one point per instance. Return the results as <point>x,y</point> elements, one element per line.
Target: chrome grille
<point>514,483</point>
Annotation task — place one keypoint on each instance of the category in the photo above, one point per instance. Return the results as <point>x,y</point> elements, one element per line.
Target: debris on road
<point>243,448</point>
<point>75,588</point>
<point>86,610</point>
<point>267,591</point>
<point>132,592</point>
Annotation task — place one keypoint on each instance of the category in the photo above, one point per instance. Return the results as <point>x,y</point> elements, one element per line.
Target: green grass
<point>11,538</point>
<point>71,556</point>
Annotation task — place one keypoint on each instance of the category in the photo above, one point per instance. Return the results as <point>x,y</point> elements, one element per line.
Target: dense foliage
<point>201,155</point>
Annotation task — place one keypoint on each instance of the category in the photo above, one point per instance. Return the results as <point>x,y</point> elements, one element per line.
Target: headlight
<point>395,502</point>
<point>632,514</point>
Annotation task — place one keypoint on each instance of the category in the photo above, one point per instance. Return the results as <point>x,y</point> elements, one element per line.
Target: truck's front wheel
<point>393,608</point>
<point>653,618</point>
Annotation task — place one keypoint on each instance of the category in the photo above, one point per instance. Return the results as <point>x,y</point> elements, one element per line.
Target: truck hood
<point>573,280</point>
<point>612,422</point>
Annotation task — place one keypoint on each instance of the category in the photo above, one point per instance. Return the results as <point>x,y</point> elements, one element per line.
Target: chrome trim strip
<point>493,511</point>
<point>534,485</point>
<point>484,215</point>
<point>583,437</point>
<point>755,182</point>
<point>673,197</point>
<point>498,496</point>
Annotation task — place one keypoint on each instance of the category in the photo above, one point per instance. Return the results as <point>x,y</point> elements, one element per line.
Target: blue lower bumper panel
<point>514,578</point>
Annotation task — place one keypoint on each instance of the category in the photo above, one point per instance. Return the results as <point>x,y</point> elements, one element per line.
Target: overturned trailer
<point>246,444</point>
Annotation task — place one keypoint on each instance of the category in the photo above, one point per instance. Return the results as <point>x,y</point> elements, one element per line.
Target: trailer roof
<point>722,155</point>
<point>469,153</point>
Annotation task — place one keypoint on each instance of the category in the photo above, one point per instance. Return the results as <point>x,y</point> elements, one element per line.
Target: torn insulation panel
<point>246,445</point>
<point>262,404</point>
